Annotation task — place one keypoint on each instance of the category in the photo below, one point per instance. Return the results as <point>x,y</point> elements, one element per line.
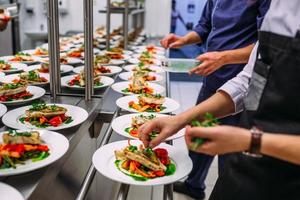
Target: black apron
<point>273,105</point>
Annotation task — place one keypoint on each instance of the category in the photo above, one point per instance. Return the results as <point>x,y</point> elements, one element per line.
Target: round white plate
<point>121,123</point>
<point>11,118</point>
<point>17,67</point>
<point>158,57</point>
<point>118,87</point>
<point>35,60</point>
<point>106,81</point>
<point>73,61</point>
<point>8,192</point>
<point>137,61</point>
<point>2,74</point>
<point>114,70</point>
<point>3,109</point>
<point>58,145</point>
<point>37,92</point>
<point>10,78</point>
<point>64,68</point>
<point>155,69</point>
<point>170,104</point>
<point>141,50</point>
<point>104,162</point>
<point>127,76</point>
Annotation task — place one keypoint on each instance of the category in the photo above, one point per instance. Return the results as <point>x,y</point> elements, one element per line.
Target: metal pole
<point>125,23</point>
<point>108,24</point>
<point>92,171</point>
<point>57,47</point>
<point>53,50</point>
<point>88,49</point>
<point>168,192</point>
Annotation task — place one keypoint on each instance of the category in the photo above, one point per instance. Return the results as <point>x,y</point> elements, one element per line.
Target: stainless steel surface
<point>92,171</point>
<point>53,38</point>
<point>123,192</point>
<point>88,49</point>
<point>108,24</point>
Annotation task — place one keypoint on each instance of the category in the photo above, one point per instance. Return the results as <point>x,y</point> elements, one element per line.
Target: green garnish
<point>38,106</point>
<point>209,121</point>
<point>15,133</point>
<point>171,168</point>
<point>42,156</point>
<point>126,90</point>
<point>132,148</point>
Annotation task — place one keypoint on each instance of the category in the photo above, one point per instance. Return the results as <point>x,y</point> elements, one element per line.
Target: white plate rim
<point>108,82</point>
<point>118,87</point>
<point>126,75</point>
<point>12,193</point>
<point>114,69</point>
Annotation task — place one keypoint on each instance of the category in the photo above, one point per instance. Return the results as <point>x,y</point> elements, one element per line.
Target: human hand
<point>166,126</point>
<point>210,62</point>
<point>219,139</point>
<point>172,41</point>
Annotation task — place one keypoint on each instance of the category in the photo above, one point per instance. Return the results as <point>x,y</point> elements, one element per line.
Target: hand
<point>172,41</point>
<point>166,126</point>
<point>210,62</point>
<point>220,139</point>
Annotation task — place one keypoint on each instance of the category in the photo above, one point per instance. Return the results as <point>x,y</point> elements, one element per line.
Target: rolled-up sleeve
<point>203,27</point>
<point>237,88</point>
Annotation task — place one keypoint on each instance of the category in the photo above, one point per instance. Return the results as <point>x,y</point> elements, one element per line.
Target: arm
<point>198,35</point>
<point>227,100</point>
<point>228,139</point>
<point>212,61</point>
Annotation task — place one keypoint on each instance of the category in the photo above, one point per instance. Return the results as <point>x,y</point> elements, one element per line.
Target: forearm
<point>238,56</point>
<point>220,105</point>
<point>192,38</point>
<point>284,147</point>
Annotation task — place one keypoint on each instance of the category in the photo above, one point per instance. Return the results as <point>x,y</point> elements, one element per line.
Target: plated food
<point>145,61</point>
<point>42,52</point>
<point>8,67</point>
<point>147,76</point>
<point>26,150</point>
<point>78,81</point>
<point>32,77</point>
<point>14,92</point>
<point>147,103</point>
<point>106,60</point>
<point>77,53</point>
<point>22,57</point>
<point>44,68</point>
<point>45,116</point>
<point>127,125</point>
<point>131,163</point>
<point>142,67</point>
<point>100,70</point>
<point>137,87</point>
<point>19,147</point>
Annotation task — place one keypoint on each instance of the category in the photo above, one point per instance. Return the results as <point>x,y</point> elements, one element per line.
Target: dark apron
<point>273,105</point>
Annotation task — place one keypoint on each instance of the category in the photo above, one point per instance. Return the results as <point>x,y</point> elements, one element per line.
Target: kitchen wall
<point>34,21</point>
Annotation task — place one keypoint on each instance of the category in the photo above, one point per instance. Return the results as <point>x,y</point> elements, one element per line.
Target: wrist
<point>225,57</point>
<point>245,139</point>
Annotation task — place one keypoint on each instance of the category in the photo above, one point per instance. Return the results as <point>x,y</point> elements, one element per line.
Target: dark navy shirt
<point>227,25</point>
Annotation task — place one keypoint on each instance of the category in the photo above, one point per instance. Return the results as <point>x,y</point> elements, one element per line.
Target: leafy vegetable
<point>209,121</point>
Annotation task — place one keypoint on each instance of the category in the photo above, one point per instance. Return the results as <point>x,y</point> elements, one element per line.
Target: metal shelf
<point>132,11</point>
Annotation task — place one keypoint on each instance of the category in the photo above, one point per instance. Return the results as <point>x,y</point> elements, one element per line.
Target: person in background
<point>229,39</point>
<point>266,163</point>
<point>175,16</point>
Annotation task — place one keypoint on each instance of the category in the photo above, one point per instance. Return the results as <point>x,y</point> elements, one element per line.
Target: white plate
<point>114,70</point>
<point>35,60</point>
<point>64,68</point>
<point>8,192</point>
<point>3,110</point>
<point>170,104</point>
<point>118,87</point>
<point>126,76</point>
<point>121,123</point>
<point>137,61</point>
<point>11,118</point>
<point>106,81</point>
<point>10,78</point>
<point>2,74</point>
<point>141,50</point>
<point>158,57</point>
<point>104,162</point>
<point>58,146</point>
<point>73,61</point>
<point>37,92</point>
<point>17,67</point>
<point>155,69</point>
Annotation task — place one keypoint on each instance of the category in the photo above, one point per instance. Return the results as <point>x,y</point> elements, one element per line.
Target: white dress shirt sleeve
<point>237,87</point>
